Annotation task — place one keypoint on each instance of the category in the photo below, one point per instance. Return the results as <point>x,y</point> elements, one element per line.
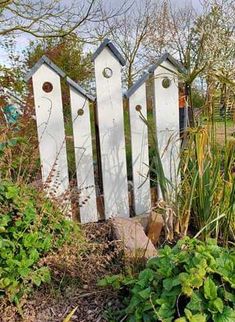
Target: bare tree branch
<point>51,18</point>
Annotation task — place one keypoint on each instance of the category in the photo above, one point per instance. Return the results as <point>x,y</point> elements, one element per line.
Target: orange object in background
<point>182,97</point>
<point>182,101</point>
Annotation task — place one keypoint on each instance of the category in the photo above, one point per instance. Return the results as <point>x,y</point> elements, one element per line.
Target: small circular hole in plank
<point>80,111</point>
<point>107,72</point>
<point>166,82</point>
<point>138,108</point>
<point>47,87</point>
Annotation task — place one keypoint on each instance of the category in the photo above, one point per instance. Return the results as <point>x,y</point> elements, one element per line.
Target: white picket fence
<point>46,80</point>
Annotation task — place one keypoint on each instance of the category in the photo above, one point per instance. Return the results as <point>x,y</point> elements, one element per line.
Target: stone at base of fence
<point>139,234</point>
<point>135,241</point>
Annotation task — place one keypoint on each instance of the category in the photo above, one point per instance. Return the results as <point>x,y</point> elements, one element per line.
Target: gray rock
<point>132,234</point>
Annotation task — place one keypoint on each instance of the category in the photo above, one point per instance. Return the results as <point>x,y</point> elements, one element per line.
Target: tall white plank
<point>51,133</point>
<point>167,121</point>
<point>83,156</point>
<point>139,149</point>
<point>111,131</point>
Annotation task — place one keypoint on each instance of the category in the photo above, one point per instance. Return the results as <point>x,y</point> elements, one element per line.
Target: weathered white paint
<point>167,121</point>
<point>139,149</point>
<point>51,134</point>
<point>111,131</point>
<point>83,156</point>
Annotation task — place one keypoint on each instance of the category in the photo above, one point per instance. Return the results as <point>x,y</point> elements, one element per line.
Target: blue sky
<point>22,40</point>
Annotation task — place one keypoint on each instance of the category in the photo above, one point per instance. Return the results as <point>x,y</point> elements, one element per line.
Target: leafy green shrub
<point>193,281</point>
<point>30,227</point>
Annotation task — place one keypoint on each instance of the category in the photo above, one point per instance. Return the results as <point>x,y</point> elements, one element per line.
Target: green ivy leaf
<point>12,192</point>
<point>194,317</point>
<point>34,255</point>
<point>4,282</point>
<point>229,296</point>
<point>182,319</point>
<point>228,315</point>
<point>4,220</point>
<point>210,289</point>
<point>217,305</point>
<point>188,314</point>
<point>195,303</point>
<point>145,294</point>
<point>134,303</point>
<point>198,318</point>
<point>36,280</point>
<point>113,281</point>
<point>165,312</point>
<point>196,281</point>
<point>169,283</point>
<point>2,229</point>
<point>24,271</point>
<point>146,274</point>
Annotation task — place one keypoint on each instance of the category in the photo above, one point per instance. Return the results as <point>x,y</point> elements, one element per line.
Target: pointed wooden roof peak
<point>107,43</point>
<point>44,60</point>
<point>171,60</point>
<point>81,90</point>
<point>137,84</point>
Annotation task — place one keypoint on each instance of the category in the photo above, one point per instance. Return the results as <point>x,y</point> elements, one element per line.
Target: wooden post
<point>139,145</point>
<point>79,100</point>
<point>167,118</point>
<point>50,126</point>
<point>108,62</point>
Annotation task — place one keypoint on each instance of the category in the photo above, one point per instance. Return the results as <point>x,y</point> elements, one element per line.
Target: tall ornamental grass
<point>207,194</point>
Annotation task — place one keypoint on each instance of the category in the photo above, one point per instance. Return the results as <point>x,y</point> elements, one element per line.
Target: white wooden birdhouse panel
<point>167,120</point>
<point>83,156</point>
<point>139,149</point>
<point>51,133</point>
<point>111,132</point>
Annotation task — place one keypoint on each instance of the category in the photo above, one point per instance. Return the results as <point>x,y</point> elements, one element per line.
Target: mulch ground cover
<point>74,282</point>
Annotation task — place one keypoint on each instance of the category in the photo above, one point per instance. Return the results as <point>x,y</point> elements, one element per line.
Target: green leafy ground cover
<point>30,227</point>
<point>193,281</point>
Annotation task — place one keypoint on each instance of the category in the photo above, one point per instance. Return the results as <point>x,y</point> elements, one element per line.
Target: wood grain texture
<point>111,132</point>
<point>139,149</point>
<point>83,156</point>
<point>167,122</point>
<point>51,133</point>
